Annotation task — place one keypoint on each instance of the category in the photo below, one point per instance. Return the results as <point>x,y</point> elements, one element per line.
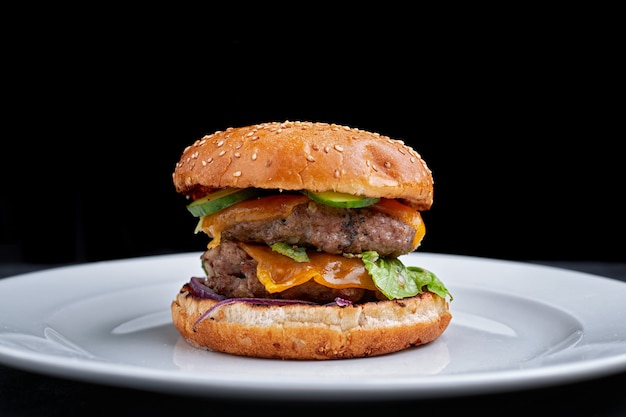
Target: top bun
<point>305,156</point>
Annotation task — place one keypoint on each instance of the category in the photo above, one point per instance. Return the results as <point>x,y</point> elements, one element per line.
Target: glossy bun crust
<point>305,155</point>
<point>307,332</point>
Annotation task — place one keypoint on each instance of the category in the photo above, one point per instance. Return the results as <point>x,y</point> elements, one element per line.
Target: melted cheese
<point>408,215</point>
<point>278,272</point>
<point>267,208</point>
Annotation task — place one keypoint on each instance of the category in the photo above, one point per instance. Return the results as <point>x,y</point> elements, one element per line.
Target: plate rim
<point>409,388</point>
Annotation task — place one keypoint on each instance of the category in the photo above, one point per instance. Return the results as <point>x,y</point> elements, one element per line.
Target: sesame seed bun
<point>309,156</point>
<point>307,332</point>
<point>318,157</point>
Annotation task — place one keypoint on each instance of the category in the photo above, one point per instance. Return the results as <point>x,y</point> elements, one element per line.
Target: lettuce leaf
<point>395,280</point>
<point>298,254</point>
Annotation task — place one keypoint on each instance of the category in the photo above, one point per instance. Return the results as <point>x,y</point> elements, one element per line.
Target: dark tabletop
<point>24,393</point>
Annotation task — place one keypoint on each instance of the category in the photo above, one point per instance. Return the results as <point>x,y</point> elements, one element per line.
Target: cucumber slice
<point>335,199</point>
<point>219,200</point>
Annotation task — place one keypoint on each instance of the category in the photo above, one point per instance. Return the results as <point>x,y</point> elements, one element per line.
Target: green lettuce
<point>395,280</point>
<point>298,254</point>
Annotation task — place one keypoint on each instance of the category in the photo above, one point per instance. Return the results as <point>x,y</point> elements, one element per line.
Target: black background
<point>519,121</point>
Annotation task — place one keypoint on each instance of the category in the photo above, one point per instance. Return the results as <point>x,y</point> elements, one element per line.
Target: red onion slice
<point>341,302</point>
<point>202,291</point>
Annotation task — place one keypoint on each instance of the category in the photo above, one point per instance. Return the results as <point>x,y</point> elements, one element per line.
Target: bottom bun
<point>304,331</point>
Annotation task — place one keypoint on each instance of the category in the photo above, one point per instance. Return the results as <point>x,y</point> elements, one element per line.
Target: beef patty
<point>330,229</point>
<point>232,272</point>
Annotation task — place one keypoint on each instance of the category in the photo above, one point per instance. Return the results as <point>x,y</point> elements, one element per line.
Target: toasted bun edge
<point>311,332</point>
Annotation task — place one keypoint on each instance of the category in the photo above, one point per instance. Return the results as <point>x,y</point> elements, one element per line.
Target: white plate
<point>514,326</point>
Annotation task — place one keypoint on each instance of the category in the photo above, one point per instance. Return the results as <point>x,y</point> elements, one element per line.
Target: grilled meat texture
<point>330,229</point>
<point>232,272</point>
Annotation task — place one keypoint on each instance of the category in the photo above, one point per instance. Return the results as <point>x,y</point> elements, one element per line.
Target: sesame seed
<point>237,174</point>
<point>222,153</point>
<point>338,148</point>
<point>254,156</point>
<point>237,155</point>
<point>254,138</point>
<point>194,155</point>
<point>387,164</point>
<point>220,143</point>
<point>336,173</point>
<point>310,158</point>
<point>326,149</point>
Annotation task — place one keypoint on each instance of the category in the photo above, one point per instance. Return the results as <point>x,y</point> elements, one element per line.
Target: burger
<point>306,222</point>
